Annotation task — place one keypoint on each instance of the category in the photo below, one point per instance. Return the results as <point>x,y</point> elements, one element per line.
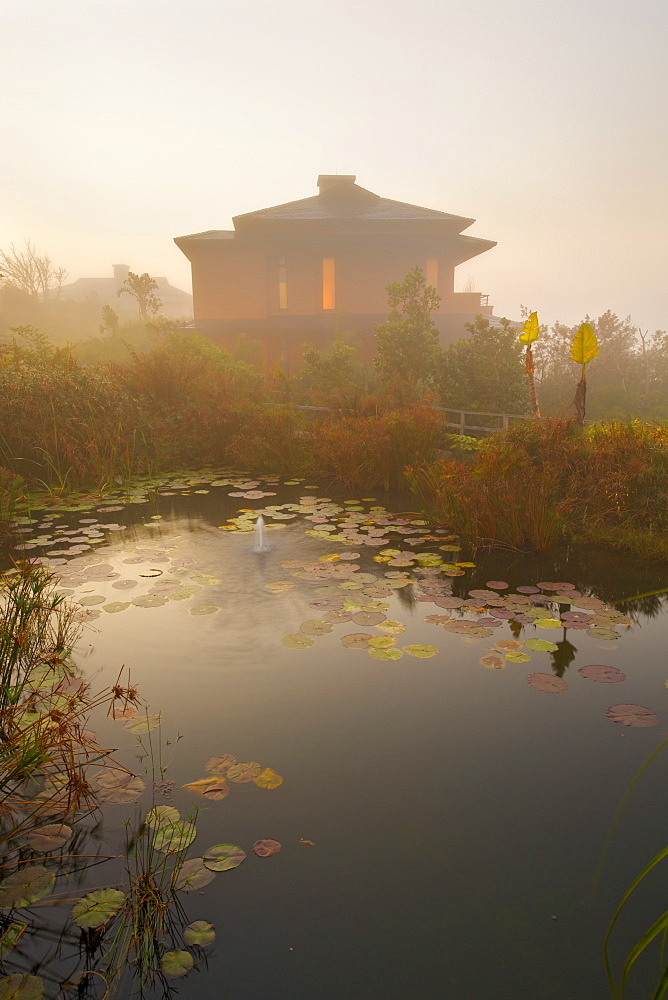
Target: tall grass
<point>542,481</point>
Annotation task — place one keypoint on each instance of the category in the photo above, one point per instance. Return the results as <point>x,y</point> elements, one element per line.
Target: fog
<point>126,124</point>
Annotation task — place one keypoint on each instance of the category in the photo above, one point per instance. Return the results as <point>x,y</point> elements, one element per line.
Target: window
<point>432,272</point>
<point>328,283</point>
<point>282,283</point>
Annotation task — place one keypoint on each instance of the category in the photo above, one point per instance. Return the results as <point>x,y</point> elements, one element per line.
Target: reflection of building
<point>176,304</point>
<point>303,271</point>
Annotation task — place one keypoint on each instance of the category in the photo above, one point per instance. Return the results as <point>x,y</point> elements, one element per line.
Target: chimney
<point>328,181</point>
<point>121,272</point>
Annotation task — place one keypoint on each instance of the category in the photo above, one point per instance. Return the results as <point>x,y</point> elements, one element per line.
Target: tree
<point>484,372</point>
<point>334,377</point>
<point>141,287</point>
<point>32,273</point>
<point>109,324</point>
<point>407,347</point>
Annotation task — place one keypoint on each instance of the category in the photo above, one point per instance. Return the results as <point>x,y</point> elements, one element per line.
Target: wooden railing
<point>463,425</point>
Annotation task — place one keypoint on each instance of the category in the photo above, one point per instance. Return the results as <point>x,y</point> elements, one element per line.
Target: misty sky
<point>125,124</point>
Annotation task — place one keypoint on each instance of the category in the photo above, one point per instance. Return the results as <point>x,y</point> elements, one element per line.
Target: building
<point>308,270</point>
<point>176,304</point>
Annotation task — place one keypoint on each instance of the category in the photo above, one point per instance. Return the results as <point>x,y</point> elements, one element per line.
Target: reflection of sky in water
<point>456,812</point>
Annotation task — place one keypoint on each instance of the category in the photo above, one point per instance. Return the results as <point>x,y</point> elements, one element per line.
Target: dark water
<point>458,815</point>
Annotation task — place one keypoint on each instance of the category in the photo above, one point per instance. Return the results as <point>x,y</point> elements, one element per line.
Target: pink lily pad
<point>599,672</point>
<point>266,848</point>
<point>632,715</point>
<point>547,683</point>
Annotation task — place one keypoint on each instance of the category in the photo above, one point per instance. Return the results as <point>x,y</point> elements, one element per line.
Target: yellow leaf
<point>268,779</point>
<point>201,785</point>
<point>530,330</point>
<point>585,345</point>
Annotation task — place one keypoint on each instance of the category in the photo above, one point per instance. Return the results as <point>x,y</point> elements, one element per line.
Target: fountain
<point>259,545</point>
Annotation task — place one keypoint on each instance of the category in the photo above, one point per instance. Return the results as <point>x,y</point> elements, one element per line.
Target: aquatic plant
<point>583,350</point>
<point>529,334</point>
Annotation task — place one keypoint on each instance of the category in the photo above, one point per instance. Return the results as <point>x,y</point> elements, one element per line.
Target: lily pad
<point>509,645</point>
<point>356,640</point>
<point>223,857</point>
<point>298,641</point>
<point>144,724</point>
<point>421,650</point>
<point>517,657</point>
<point>204,609</point>
<point>177,964</point>
<point>391,627</point>
<point>174,837</point>
<point>242,773</point>
<point>493,661</point>
<point>548,622</point>
<point>49,838</point>
<point>315,626</point>
<point>21,987</point>
<point>632,715</point>
<point>547,683</point>
<point>193,875</point>
<point>266,848</point>
<point>603,633</point>
<point>386,654</point>
<point>26,886</point>
<point>217,791</point>
<point>541,645</point>
<point>97,907</point>
<point>268,779</point>
<point>497,584</point>
<point>220,765</point>
<point>160,816</point>
<point>605,675</point>
<point>200,932</point>
<point>368,618</point>
<point>115,606</point>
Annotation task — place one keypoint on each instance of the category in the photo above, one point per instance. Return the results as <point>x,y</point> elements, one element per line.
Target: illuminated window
<point>328,283</point>
<point>432,272</point>
<point>282,284</point>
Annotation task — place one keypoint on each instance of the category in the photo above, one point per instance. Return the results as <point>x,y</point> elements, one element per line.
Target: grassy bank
<point>543,482</point>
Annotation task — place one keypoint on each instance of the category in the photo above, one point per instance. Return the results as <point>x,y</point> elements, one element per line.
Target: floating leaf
<point>548,622</point>
<point>297,641</point>
<point>21,987</point>
<point>201,785</point>
<point>632,715</point>
<point>241,773</point>
<point>217,791</point>
<point>603,633</point>
<point>547,683</point>
<point>97,907</point>
<point>193,875</point>
<point>382,642</point>
<point>160,816</point>
<point>222,857</point>
<point>315,626</point>
<point>421,650</point>
<point>495,584</point>
<point>517,657</point>
<point>204,609</point>
<point>306,843</point>
<point>266,848</point>
<point>511,645</point>
<point>603,674</point>
<point>541,645</point>
<point>385,654</point>
<point>220,765</point>
<point>368,618</point>
<point>268,779</point>
<point>174,837</point>
<point>176,964</point>
<point>49,838</point>
<point>26,886</point>
<point>493,661</point>
<point>144,724</point>
<point>200,932</point>
<point>391,627</point>
<point>356,640</point>
<point>127,790</point>
<point>115,606</point>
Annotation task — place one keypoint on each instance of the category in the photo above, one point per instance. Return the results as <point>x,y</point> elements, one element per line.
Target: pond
<point>440,721</point>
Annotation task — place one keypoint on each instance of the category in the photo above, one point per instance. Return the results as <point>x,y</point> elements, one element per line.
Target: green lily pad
<point>382,642</point>
<point>315,626</point>
<point>548,623</point>
<point>26,886</point>
<point>193,875</point>
<point>21,987</point>
<point>517,657</point>
<point>200,932</point>
<point>541,645</point>
<point>160,816</point>
<point>115,606</point>
<point>421,650</point>
<point>603,633</point>
<point>386,654</point>
<point>144,724</point>
<point>223,857</point>
<point>174,837</point>
<point>10,937</point>
<point>176,964</point>
<point>97,907</point>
